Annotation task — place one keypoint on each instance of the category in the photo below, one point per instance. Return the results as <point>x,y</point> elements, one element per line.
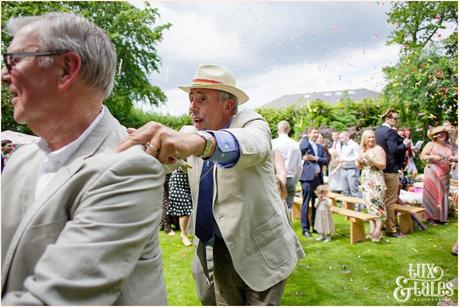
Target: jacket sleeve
<point>254,140</point>
<point>322,157</point>
<point>112,229</point>
<point>393,145</point>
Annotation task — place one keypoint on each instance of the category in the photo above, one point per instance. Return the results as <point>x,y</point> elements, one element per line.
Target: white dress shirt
<point>54,160</point>
<point>291,153</point>
<point>349,154</point>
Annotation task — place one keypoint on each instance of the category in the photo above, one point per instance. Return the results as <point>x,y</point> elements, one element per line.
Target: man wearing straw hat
<point>237,209</point>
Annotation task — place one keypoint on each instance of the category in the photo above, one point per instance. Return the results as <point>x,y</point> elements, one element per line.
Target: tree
<point>132,31</point>
<point>423,84</point>
<point>418,22</point>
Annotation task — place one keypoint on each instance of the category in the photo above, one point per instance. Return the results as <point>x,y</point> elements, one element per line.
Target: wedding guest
<point>372,161</point>
<point>439,155</point>
<point>180,203</point>
<point>79,222</point>
<point>334,172</point>
<point>324,221</point>
<point>395,148</point>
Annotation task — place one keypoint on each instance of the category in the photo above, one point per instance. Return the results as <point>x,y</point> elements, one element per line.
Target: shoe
<point>369,236</point>
<point>171,233</point>
<point>394,234</point>
<point>454,250</point>
<point>314,231</point>
<point>186,241</point>
<point>320,238</point>
<point>306,234</point>
<point>327,239</point>
<point>376,237</point>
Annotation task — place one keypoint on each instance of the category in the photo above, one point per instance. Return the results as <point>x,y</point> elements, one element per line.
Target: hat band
<point>204,81</point>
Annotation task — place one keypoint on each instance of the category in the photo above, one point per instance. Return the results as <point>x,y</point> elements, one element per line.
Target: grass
<point>336,273</point>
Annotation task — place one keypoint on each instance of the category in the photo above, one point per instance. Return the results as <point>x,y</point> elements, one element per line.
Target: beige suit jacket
<point>248,209</point>
<point>91,238</point>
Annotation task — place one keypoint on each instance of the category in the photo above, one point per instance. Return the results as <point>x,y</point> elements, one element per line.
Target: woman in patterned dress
<point>372,161</point>
<point>165,223</point>
<point>180,203</point>
<point>439,154</point>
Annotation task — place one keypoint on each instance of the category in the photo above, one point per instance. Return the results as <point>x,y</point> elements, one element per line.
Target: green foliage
<point>132,31</point>
<point>345,115</point>
<point>417,22</point>
<point>138,118</point>
<point>423,84</point>
<point>424,88</point>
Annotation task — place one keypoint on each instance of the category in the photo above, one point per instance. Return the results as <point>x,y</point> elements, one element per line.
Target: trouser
<point>291,187</point>
<point>350,182</point>
<point>308,188</point>
<point>392,181</point>
<point>230,289</point>
<point>204,283</point>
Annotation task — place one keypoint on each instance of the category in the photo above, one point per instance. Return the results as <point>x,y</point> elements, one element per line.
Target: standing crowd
<point>83,206</point>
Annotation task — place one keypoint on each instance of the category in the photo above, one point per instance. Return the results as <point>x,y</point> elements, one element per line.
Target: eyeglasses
<point>11,59</point>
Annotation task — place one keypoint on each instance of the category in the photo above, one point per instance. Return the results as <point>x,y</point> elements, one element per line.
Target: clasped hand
<point>166,144</point>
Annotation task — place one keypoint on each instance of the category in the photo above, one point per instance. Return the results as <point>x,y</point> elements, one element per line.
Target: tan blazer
<point>248,209</point>
<point>91,238</point>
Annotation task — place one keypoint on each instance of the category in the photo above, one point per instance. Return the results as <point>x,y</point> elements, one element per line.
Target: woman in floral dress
<point>372,161</point>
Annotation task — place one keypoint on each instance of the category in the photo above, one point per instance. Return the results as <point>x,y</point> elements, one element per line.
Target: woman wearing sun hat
<point>439,155</point>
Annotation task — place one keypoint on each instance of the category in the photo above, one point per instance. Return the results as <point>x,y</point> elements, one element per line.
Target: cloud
<point>274,48</point>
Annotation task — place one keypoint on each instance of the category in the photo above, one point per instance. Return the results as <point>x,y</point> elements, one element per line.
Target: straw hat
<point>436,130</point>
<point>216,78</point>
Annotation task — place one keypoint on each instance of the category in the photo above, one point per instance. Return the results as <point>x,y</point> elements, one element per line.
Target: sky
<point>274,48</point>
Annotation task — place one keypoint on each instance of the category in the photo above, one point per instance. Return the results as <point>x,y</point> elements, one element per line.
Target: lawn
<point>337,273</point>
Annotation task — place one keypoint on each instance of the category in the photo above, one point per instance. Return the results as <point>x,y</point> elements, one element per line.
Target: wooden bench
<point>349,202</point>
<point>333,196</point>
<point>298,202</point>
<point>357,219</point>
<point>357,222</point>
<point>296,208</point>
<point>406,222</point>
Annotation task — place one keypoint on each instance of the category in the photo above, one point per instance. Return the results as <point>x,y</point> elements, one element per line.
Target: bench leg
<point>406,222</point>
<point>296,212</point>
<point>333,202</point>
<point>357,230</point>
<point>349,206</point>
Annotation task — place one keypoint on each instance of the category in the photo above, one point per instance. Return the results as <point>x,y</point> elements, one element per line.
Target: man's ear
<point>70,70</point>
<point>229,105</point>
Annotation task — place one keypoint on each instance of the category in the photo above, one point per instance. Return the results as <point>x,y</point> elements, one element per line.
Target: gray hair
<point>224,96</point>
<point>66,31</point>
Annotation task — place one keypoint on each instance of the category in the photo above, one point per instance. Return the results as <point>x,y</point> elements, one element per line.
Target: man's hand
<point>407,142</point>
<point>165,143</point>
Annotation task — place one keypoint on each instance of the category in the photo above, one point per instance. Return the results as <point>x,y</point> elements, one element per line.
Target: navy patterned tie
<point>204,216</point>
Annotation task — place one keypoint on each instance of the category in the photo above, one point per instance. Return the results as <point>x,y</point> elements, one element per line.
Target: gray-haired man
<point>79,223</point>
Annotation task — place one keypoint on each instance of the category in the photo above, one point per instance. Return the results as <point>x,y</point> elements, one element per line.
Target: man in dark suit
<point>314,157</point>
<point>395,148</point>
